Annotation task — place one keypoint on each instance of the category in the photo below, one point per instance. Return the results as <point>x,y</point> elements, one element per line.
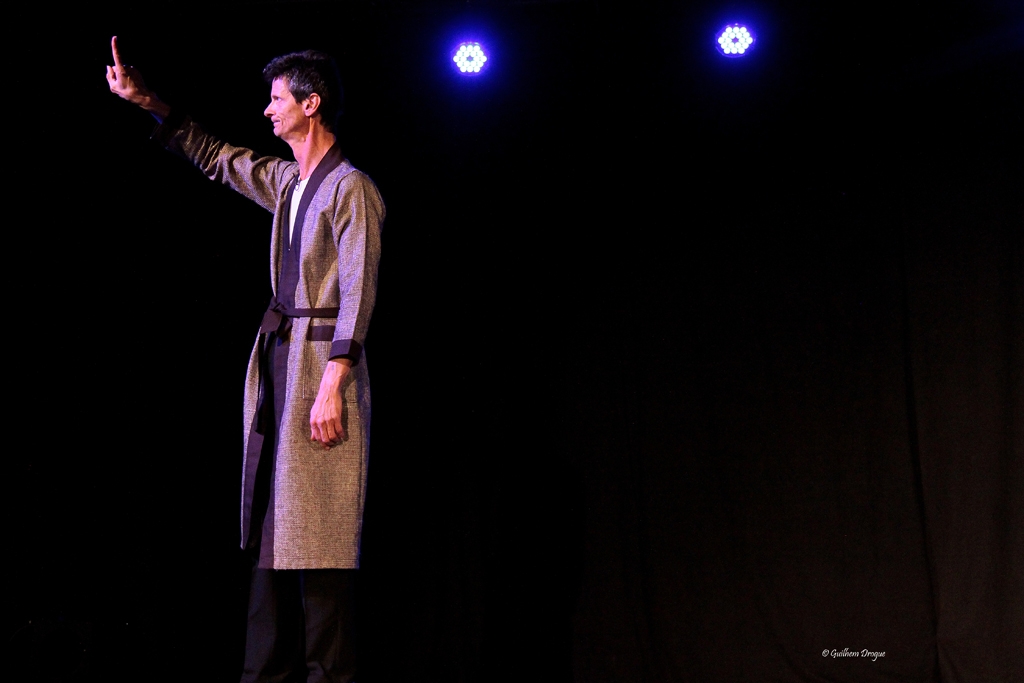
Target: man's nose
<point>267,112</point>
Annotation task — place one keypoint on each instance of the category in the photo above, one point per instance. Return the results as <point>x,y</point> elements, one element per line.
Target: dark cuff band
<point>166,130</point>
<point>347,348</point>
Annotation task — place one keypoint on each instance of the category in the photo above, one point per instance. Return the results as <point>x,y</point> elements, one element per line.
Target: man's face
<point>288,116</point>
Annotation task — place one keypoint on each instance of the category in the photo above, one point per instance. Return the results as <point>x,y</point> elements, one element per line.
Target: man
<point>307,398</point>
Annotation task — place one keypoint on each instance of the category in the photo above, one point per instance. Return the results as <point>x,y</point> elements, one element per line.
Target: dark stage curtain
<point>966,359</point>
<point>809,467</point>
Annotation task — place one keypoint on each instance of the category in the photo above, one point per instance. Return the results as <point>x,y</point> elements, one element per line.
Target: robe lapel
<point>331,161</point>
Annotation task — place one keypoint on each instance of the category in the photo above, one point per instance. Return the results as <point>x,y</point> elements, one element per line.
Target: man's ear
<point>311,104</point>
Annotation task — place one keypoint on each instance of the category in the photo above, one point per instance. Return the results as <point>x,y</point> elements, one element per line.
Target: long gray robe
<point>318,493</point>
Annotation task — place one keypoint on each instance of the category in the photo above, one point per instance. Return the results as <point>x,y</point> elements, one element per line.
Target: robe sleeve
<point>359,215</point>
<point>260,178</point>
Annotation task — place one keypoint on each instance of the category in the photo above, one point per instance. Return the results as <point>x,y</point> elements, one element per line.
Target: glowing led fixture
<point>735,40</point>
<point>470,58</point>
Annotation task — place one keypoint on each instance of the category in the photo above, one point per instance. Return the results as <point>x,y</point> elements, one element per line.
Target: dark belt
<point>277,323</point>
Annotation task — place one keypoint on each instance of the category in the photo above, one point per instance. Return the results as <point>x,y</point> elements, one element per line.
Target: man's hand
<point>126,82</point>
<point>325,417</point>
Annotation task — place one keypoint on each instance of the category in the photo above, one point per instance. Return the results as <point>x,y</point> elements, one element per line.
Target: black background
<point>684,368</point>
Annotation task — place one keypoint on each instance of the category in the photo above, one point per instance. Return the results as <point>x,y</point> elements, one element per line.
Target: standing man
<point>307,394</point>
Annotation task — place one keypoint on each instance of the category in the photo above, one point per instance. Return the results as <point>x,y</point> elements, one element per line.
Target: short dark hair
<point>311,72</point>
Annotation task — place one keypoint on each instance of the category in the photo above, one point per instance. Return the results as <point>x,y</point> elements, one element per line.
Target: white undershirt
<point>296,196</point>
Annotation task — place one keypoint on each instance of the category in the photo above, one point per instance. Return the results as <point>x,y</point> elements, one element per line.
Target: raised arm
<point>126,82</point>
<point>260,178</point>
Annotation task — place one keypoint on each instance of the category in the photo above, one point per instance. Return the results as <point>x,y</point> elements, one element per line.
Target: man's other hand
<point>325,417</point>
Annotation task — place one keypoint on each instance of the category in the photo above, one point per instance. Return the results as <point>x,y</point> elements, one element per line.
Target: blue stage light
<point>470,58</point>
<point>735,40</point>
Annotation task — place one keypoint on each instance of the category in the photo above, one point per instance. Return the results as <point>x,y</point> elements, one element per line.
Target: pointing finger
<point>117,55</point>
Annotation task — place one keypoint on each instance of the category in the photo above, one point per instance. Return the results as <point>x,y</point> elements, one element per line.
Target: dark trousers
<point>301,626</point>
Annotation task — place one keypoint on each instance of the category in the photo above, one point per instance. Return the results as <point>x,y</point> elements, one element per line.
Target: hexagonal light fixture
<point>735,40</point>
<point>469,58</point>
